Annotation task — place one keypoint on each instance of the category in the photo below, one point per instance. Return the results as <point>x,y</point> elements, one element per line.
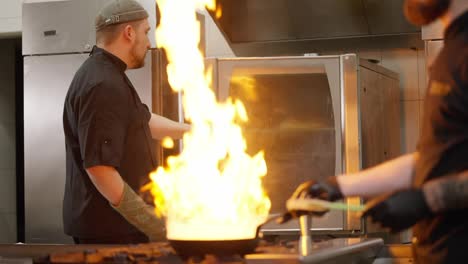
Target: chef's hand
<point>328,190</point>
<point>398,211</point>
<point>140,215</point>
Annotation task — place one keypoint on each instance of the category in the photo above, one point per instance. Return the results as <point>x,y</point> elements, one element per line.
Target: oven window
<point>291,119</point>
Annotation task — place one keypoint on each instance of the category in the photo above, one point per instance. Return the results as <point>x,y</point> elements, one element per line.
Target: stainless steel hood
<point>280,27</point>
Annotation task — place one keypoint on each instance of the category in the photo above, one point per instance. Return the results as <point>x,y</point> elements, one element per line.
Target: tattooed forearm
<point>448,193</point>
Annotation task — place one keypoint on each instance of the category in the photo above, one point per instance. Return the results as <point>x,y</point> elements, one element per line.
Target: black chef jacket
<point>105,123</point>
<point>443,146</point>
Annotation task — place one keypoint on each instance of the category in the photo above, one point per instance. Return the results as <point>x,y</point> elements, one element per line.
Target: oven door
<point>296,115</point>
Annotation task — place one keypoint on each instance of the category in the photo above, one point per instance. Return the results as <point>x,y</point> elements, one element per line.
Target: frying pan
<point>200,248</point>
<point>194,248</point>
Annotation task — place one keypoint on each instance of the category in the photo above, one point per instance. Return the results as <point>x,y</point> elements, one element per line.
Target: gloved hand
<point>328,190</point>
<point>140,214</point>
<point>398,211</point>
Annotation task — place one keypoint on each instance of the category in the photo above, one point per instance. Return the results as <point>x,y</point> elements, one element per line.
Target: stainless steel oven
<point>304,112</point>
<point>314,116</point>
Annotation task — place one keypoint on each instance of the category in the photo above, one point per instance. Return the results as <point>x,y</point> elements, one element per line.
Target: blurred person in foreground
<point>427,189</point>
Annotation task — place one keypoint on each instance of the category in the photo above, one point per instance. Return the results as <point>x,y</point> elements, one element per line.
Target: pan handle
<point>271,218</point>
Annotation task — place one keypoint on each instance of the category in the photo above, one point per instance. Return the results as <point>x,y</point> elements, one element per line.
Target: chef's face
<point>140,46</point>
<point>423,12</point>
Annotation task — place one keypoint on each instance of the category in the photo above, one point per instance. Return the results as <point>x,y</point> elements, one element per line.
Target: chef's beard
<point>138,58</point>
<point>137,55</point>
<point>423,12</point>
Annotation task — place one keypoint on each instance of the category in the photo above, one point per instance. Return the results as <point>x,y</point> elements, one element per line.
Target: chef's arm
<point>163,127</point>
<point>389,176</point>
<point>447,193</point>
<point>125,201</point>
<point>108,182</point>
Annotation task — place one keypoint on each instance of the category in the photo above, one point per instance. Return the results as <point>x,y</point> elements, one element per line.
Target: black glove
<point>398,211</point>
<point>326,190</point>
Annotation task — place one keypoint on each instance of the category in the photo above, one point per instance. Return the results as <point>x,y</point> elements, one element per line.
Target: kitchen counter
<point>341,250</point>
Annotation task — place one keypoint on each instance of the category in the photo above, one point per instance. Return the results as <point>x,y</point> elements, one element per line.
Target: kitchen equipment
<point>187,249</point>
<point>282,27</point>
<point>314,116</point>
<point>305,240</point>
<point>190,248</point>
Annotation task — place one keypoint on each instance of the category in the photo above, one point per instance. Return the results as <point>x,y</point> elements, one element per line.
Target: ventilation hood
<point>280,27</point>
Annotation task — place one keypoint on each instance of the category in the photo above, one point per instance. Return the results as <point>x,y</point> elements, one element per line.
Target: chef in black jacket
<point>108,136</point>
<point>428,188</point>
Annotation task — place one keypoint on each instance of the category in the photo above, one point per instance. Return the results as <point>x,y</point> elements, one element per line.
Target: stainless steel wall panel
<point>69,29</point>
<point>326,46</point>
<point>274,20</point>
<point>46,81</point>
<point>349,82</point>
<point>282,27</point>
<point>386,17</point>
<point>327,18</point>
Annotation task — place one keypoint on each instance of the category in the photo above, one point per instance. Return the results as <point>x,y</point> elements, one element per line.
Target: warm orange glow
<point>212,190</point>
<point>248,85</point>
<point>167,143</point>
<point>219,12</point>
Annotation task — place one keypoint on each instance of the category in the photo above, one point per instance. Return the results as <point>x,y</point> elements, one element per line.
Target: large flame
<point>212,190</point>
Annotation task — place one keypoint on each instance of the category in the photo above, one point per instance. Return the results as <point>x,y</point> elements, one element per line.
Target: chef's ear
<point>129,32</point>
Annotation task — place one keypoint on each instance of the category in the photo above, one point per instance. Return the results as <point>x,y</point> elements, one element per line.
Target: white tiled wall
<point>7,143</point>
